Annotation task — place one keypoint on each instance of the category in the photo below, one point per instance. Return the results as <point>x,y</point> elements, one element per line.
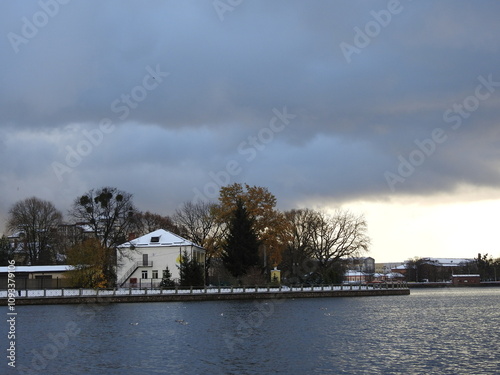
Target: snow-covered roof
<point>17,234</point>
<point>465,275</point>
<point>394,275</point>
<point>443,262</point>
<point>390,275</point>
<point>449,262</point>
<point>354,273</point>
<point>39,269</point>
<point>360,258</point>
<point>86,228</point>
<point>400,267</point>
<point>159,238</point>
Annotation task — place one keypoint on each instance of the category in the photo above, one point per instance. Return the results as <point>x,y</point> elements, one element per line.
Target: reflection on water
<point>440,331</point>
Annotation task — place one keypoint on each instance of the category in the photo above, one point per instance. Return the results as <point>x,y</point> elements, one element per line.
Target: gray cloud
<point>353,120</point>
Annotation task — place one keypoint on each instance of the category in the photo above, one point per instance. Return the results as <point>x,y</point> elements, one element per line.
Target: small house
<point>143,260</point>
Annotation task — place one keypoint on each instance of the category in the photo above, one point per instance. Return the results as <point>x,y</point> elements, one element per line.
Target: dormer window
<point>155,239</point>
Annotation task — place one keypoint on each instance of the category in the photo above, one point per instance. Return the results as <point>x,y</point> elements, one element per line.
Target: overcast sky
<point>390,109</point>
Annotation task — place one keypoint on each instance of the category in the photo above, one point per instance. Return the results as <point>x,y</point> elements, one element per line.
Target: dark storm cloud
<point>183,86</point>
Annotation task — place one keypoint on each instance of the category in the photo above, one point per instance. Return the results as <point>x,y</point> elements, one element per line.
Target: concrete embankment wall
<point>205,297</point>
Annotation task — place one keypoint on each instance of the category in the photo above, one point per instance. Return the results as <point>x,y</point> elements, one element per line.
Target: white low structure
<point>148,256</point>
<point>35,272</point>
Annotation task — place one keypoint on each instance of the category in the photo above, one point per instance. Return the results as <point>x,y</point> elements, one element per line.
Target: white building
<point>148,256</point>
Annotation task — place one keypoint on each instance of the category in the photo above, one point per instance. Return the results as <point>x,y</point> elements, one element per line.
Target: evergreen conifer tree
<point>241,250</point>
<point>191,272</point>
<point>166,280</point>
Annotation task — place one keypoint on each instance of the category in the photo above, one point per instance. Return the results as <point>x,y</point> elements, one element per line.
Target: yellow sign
<point>275,276</point>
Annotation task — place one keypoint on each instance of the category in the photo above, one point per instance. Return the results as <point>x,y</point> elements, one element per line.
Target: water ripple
<point>449,331</point>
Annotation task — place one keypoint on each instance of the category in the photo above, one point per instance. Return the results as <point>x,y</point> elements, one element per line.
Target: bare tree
<point>146,222</point>
<point>299,246</point>
<point>338,236</point>
<point>37,221</point>
<point>111,215</point>
<point>198,224</point>
<point>108,211</point>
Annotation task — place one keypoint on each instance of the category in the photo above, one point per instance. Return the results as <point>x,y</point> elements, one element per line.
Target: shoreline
<point>102,299</point>
<point>484,284</point>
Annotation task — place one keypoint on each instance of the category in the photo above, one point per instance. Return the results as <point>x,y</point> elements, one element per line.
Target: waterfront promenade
<point>72,296</point>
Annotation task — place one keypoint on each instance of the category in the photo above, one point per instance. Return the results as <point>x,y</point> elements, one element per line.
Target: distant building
<point>17,247</point>
<point>401,268</point>
<point>464,280</point>
<point>358,277</point>
<point>433,269</point>
<point>386,267</point>
<point>77,233</point>
<point>355,277</point>
<point>449,262</point>
<point>363,264</point>
<point>148,256</point>
<point>395,276</point>
<point>388,277</point>
<point>37,277</point>
<point>62,237</point>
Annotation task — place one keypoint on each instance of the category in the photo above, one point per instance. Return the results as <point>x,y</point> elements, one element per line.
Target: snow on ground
<point>180,290</point>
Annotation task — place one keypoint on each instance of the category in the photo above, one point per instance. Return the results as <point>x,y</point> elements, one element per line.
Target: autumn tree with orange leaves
<point>269,223</point>
<point>89,260</point>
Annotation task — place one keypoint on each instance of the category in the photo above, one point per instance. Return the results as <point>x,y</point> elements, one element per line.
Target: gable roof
<point>159,238</point>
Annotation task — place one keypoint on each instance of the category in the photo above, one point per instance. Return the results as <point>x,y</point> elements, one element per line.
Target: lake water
<point>439,331</point>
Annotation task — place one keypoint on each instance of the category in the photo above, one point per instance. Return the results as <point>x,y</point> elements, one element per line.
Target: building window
<point>145,274</point>
<point>198,256</point>
<point>155,239</point>
<point>155,274</point>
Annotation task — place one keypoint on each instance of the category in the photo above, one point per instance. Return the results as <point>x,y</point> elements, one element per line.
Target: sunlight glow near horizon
<point>402,230</point>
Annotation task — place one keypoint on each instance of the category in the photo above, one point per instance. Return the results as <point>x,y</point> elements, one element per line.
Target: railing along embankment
<point>61,296</point>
